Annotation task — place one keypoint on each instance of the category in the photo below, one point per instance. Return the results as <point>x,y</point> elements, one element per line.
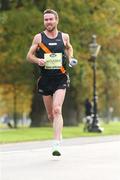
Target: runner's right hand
<point>41,62</point>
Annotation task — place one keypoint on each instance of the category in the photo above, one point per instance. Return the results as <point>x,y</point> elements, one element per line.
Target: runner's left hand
<point>73,62</point>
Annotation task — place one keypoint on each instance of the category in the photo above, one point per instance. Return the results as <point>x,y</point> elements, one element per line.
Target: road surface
<point>82,159</point>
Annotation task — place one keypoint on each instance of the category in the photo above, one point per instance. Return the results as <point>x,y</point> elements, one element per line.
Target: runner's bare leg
<point>53,107</point>
<point>58,99</point>
<point>48,102</point>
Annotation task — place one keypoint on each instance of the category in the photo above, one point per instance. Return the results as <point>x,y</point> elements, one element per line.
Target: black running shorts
<point>47,85</point>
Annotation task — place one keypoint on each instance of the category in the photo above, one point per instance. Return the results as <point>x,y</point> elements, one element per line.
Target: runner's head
<point>51,11</point>
<point>50,19</point>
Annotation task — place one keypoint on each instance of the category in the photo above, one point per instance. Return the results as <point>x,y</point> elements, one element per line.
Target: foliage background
<point>20,20</point>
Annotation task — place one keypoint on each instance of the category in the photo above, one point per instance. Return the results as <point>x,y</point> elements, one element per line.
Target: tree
<point>81,20</point>
<point>41,5</point>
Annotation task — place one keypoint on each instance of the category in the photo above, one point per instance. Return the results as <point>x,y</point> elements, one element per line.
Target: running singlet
<point>56,46</point>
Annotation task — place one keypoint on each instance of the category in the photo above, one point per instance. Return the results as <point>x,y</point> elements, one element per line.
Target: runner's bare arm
<point>69,48</point>
<point>31,53</point>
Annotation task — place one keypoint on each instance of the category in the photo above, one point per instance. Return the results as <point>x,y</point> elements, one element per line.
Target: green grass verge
<point>45,133</point>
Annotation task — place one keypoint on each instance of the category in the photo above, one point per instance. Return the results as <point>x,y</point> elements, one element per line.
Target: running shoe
<point>56,149</point>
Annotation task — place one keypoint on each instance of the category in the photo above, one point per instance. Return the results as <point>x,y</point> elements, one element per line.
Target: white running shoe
<point>56,148</point>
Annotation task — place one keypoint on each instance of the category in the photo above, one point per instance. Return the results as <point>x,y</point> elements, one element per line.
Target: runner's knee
<point>57,110</point>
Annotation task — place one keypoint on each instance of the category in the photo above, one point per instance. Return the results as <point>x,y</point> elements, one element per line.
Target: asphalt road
<point>82,159</point>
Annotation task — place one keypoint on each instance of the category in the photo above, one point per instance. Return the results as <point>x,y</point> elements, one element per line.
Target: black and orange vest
<point>55,45</point>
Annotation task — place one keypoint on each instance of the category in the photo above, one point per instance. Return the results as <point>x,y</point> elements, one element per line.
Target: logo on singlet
<point>52,44</point>
<point>40,90</point>
<point>58,39</point>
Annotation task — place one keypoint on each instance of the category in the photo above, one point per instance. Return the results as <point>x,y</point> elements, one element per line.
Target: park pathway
<point>95,158</point>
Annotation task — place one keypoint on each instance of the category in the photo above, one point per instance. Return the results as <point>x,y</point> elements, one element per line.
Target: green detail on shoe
<point>56,153</point>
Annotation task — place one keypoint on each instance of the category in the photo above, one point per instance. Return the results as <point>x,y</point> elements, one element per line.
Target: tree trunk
<point>69,111</point>
<point>19,4</point>
<point>38,114</point>
<point>78,112</point>
<point>14,106</point>
<point>5,4</point>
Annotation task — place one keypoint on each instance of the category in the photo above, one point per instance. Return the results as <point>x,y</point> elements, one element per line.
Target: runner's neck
<point>51,35</point>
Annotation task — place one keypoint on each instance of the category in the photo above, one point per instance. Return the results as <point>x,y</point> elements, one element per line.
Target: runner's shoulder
<point>37,38</point>
<point>65,36</point>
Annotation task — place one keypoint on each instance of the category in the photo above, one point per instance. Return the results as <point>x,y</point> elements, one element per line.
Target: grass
<point>45,133</point>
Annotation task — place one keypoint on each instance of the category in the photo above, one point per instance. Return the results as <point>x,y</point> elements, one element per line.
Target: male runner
<point>49,50</point>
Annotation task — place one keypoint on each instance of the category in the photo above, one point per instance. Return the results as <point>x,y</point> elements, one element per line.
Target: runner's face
<point>50,22</point>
